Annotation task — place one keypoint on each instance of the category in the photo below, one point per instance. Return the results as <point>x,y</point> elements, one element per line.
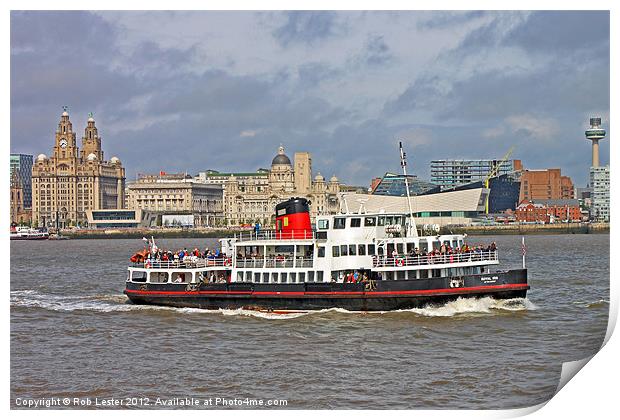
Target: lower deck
<point>374,295</point>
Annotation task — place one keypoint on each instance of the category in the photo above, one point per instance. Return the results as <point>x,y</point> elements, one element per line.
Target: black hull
<point>386,296</point>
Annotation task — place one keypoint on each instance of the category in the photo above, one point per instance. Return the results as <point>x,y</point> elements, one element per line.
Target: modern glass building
<point>22,164</point>
<point>599,183</point>
<point>394,185</point>
<point>452,173</point>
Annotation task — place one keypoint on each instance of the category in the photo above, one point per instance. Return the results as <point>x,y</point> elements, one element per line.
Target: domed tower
<point>65,148</point>
<point>281,177</point>
<point>594,134</point>
<point>334,185</point>
<point>91,142</point>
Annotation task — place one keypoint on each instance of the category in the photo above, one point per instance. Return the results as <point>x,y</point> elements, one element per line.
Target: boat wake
<point>119,303</point>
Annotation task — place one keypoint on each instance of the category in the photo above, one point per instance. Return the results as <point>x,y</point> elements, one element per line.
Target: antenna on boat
<point>413,231</point>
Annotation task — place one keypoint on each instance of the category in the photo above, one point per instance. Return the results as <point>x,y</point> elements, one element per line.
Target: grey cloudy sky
<point>188,91</point>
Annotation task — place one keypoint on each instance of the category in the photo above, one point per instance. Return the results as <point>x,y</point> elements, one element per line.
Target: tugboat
<point>355,261</point>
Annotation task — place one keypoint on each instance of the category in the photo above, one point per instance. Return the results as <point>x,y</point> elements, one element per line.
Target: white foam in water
<point>117,303</point>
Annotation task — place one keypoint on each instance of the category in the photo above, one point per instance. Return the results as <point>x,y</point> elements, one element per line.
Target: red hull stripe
<point>516,286</point>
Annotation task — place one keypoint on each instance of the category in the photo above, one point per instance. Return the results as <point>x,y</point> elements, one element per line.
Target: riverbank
<point>522,229</point>
<point>138,233</point>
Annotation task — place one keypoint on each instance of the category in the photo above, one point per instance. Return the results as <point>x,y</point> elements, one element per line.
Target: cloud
<point>345,86</point>
<point>305,27</point>
<point>248,133</point>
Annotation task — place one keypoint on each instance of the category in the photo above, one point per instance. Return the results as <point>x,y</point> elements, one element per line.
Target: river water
<point>74,335</point>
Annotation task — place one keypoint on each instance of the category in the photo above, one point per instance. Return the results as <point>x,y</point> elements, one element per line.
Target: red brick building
<point>530,212</point>
<point>548,211</point>
<point>547,184</point>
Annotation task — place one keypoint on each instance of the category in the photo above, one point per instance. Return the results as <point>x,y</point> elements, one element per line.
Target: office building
<point>21,164</point>
<point>454,172</point>
<point>599,183</point>
<point>545,184</point>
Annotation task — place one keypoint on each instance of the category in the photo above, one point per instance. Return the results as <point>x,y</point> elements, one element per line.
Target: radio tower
<point>595,133</point>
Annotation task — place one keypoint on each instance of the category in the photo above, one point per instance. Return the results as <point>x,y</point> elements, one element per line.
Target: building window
<point>356,222</point>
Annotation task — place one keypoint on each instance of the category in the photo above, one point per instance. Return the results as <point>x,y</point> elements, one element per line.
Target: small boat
<point>28,233</point>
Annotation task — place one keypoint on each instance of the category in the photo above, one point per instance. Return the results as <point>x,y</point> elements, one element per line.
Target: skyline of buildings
<point>73,182</point>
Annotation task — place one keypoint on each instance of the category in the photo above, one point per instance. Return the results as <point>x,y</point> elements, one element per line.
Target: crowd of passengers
<point>184,255</point>
<point>446,249</point>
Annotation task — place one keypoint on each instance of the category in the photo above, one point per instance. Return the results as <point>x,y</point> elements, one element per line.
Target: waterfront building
<point>20,215</point>
<point>504,191</point>
<point>251,197</point>
<point>599,183</point>
<point>21,164</point>
<point>444,208</point>
<point>120,218</point>
<point>549,211</point>
<point>74,180</point>
<point>177,195</point>
<point>545,184</point>
<point>449,173</point>
<point>394,185</point>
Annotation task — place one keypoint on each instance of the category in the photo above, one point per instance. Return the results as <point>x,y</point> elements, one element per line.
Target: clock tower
<point>65,149</point>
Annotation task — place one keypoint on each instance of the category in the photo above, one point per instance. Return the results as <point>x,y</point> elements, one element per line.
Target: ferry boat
<point>28,233</point>
<point>358,262</point>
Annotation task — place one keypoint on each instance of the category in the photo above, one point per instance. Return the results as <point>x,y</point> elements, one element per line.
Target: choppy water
<point>73,334</point>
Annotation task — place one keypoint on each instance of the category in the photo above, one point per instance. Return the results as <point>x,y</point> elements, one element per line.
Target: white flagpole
<point>523,251</point>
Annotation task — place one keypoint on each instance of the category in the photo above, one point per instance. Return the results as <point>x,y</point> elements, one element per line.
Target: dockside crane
<point>493,173</point>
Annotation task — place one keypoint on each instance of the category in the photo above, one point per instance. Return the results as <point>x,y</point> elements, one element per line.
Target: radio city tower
<point>595,133</point>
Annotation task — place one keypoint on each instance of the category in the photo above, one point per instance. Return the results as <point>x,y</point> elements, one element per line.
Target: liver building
<point>72,181</point>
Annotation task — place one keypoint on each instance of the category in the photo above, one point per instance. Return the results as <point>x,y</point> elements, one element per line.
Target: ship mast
<point>413,231</point>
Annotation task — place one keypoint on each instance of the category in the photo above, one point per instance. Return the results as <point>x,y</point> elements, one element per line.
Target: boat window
<point>389,275</point>
<point>371,249</point>
<point>361,249</point>
<point>389,220</point>
<point>370,221</point>
<point>248,276</point>
<point>381,221</point>
<point>436,272</point>
<point>283,277</point>
<point>335,251</point>
<point>398,220</point>
<point>390,249</point>
<point>343,250</point>
<point>274,277</point>
<point>239,276</point>
<point>339,222</point>
<point>319,276</point>
<point>411,274</point>
<point>400,275</point>
<point>323,224</point>
<point>410,247</point>
<point>310,276</point>
<point>293,277</point>
<point>423,245</point>
<point>436,245</point>
<point>423,274</point>
<point>380,250</point>
<point>356,222</point>
<point>399,249</point>
<point>321,251</point>
<point>256,277</point>
<point>265,277</point>
<point>302,277</point>
<point>352,250</point>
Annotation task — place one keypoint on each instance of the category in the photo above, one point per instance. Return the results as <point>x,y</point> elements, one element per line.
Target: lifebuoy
<point>400,262</point>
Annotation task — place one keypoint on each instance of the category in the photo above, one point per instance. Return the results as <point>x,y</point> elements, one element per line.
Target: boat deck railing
<point>273,262</point>
<point>462,257</point>
<point>263,235</point>
<point>189,263</point>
